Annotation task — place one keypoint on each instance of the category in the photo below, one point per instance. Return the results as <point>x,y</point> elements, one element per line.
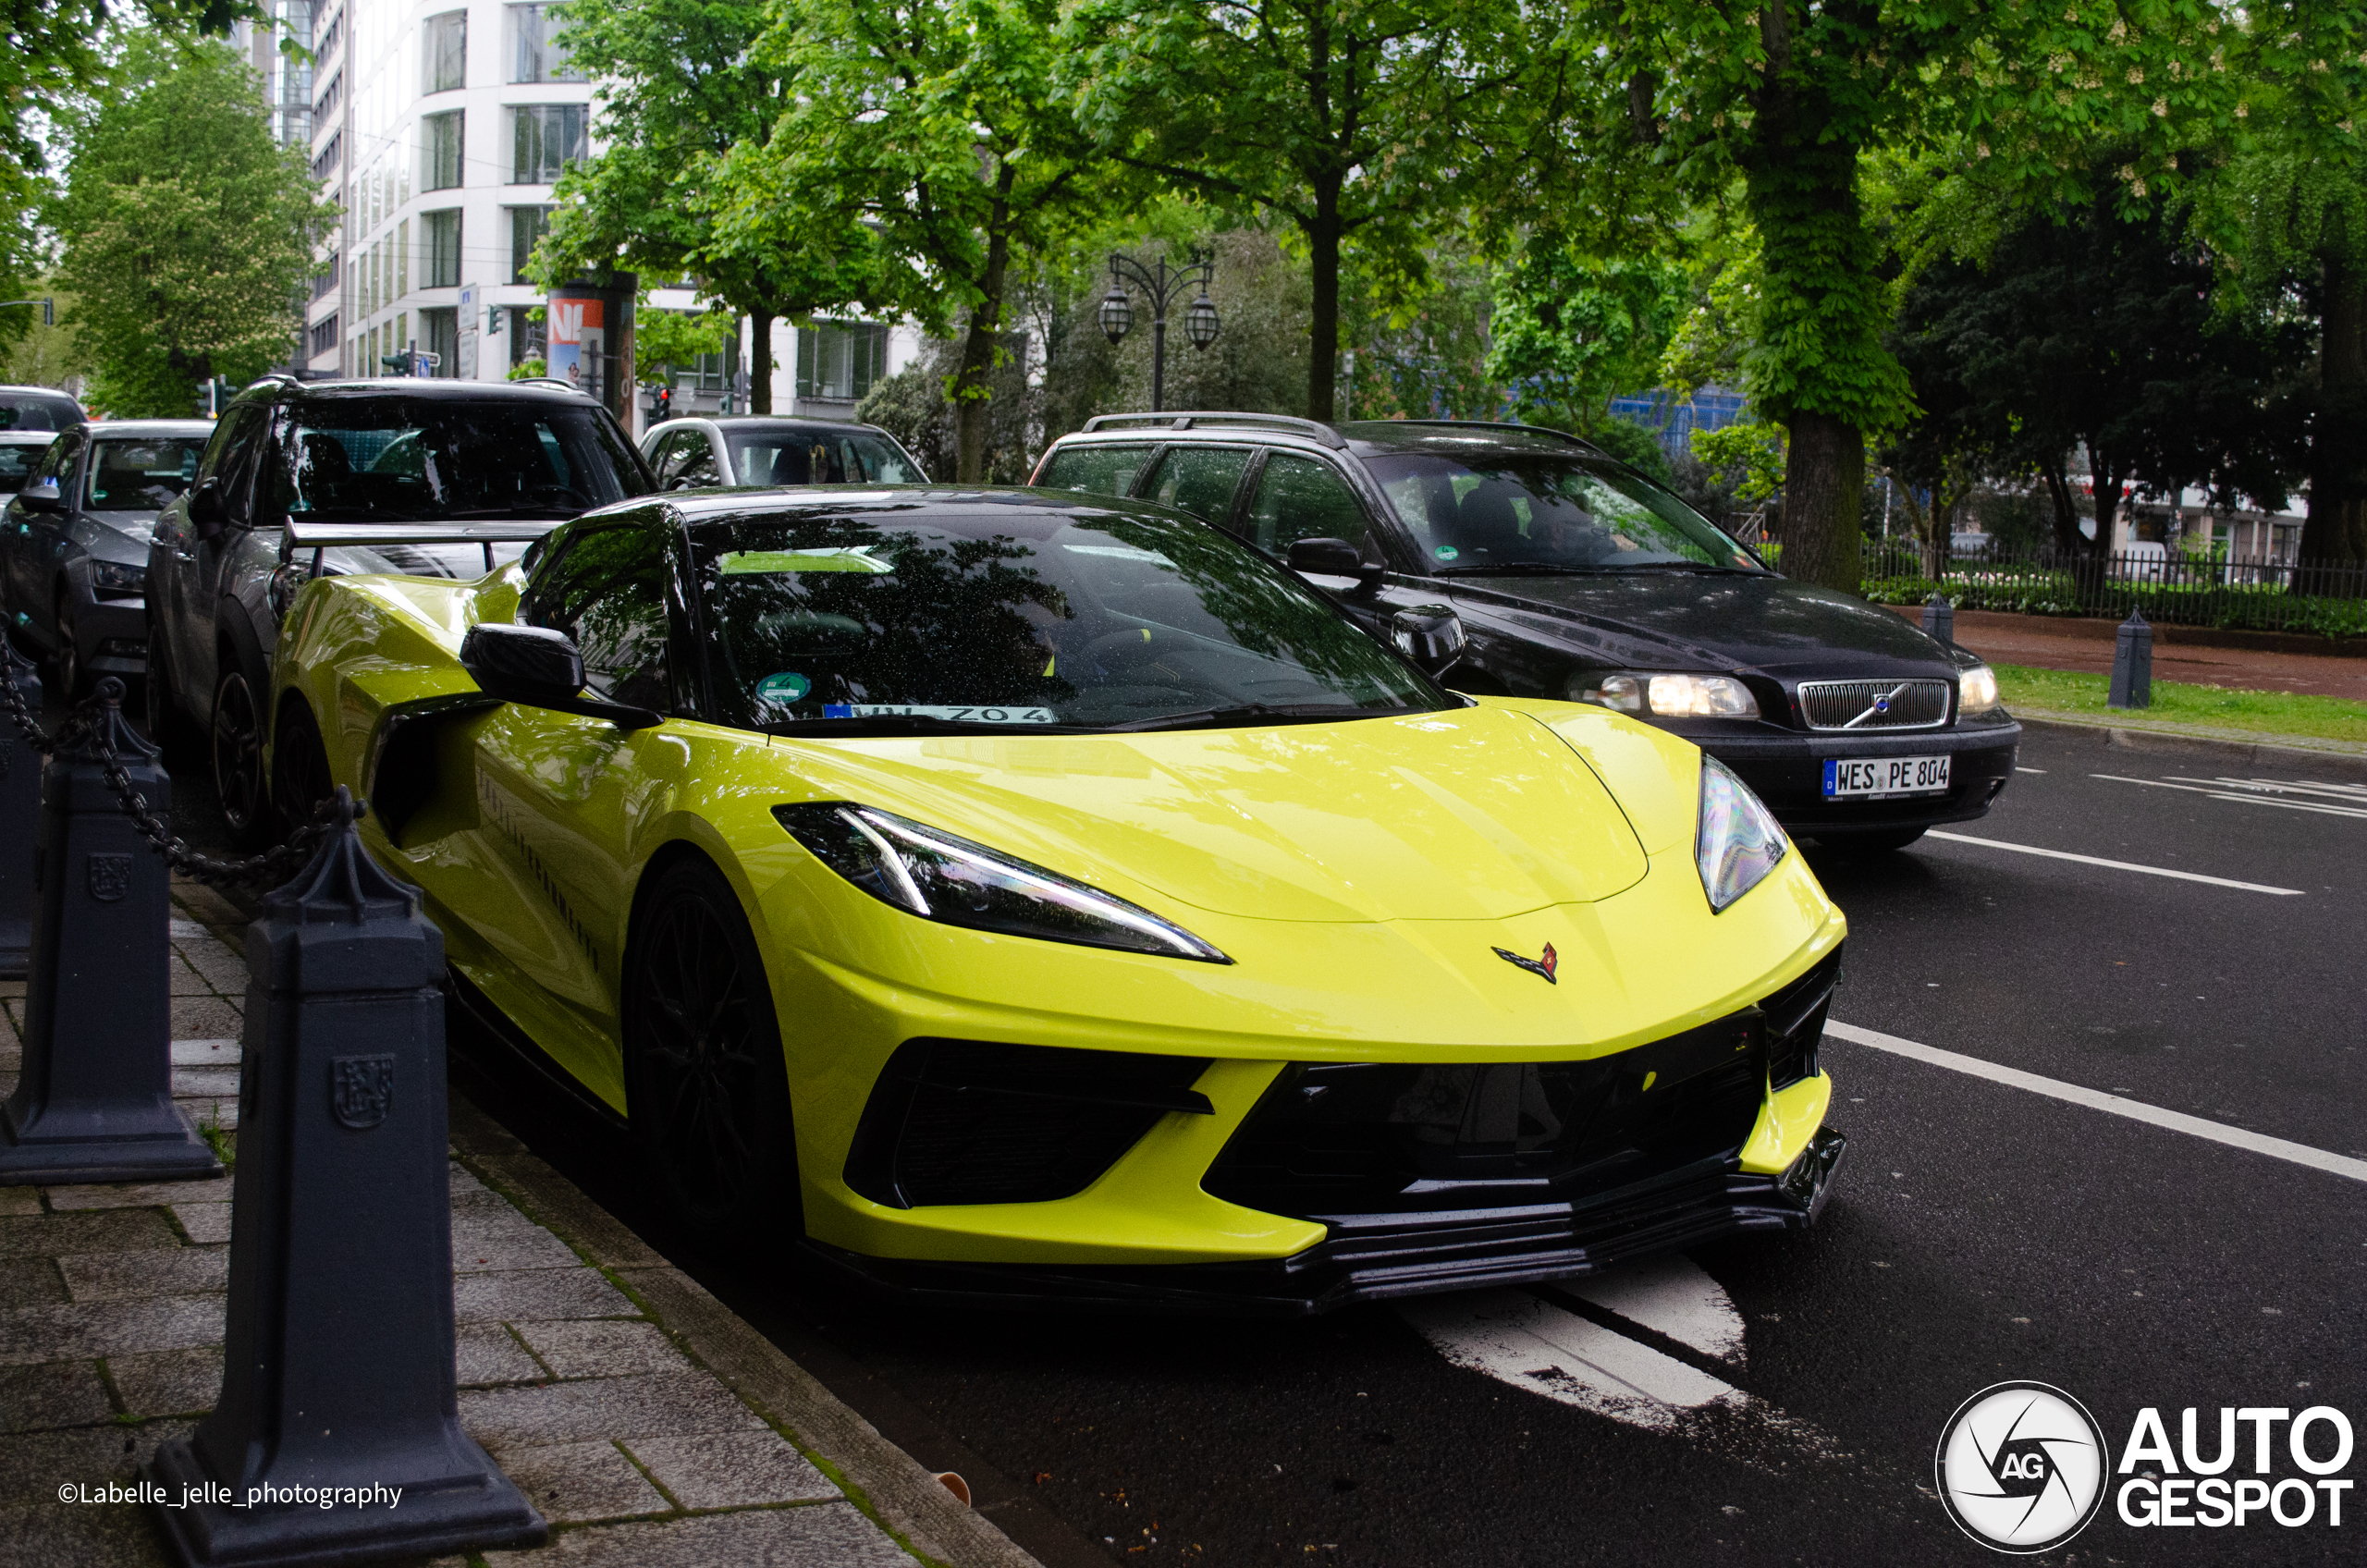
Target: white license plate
<point>1874,778</point>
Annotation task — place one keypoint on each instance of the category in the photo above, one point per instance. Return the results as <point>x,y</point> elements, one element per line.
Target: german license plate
<point>1875,779</point>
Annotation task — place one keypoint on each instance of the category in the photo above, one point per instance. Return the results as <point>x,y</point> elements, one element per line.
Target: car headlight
<point>1976,691</point>
<point>937,876</point>
<point>114,577</point>
<point>1672,696</point>
<point>1739,841</point>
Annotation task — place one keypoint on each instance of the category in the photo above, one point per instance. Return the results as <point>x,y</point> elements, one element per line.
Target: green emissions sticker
<point>786,686</point>
<point>844,557</point>
<point>1444,552</point>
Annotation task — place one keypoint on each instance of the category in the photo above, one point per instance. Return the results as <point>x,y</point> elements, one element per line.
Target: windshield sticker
<point>1446,552</point>
<point>844,557</point>
<point>921,710</point>
<point>787,687</point>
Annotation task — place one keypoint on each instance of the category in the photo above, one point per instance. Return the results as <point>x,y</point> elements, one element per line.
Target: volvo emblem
<point>1881,704</point>
<point>1544,965</point>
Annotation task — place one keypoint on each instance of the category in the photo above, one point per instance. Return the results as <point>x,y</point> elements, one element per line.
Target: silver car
<point>390,455</point>
<point>74,543</point>
<point>758,450</point>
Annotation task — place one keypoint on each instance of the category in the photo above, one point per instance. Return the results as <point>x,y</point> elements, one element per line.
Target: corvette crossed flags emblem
<point>1544,965</point>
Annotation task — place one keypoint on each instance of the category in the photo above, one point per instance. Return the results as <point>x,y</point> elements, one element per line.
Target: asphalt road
<point>1771,1402</point>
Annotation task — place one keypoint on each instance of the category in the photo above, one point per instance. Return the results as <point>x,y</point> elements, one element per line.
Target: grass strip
<point>2176,701</point>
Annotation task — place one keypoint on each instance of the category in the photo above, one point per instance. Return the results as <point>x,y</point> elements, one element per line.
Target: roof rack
<point>550,381</point>
<point>1498,424</point>
<point>1320,432</point>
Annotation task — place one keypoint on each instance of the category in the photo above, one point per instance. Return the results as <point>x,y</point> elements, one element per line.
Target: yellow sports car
<point>1020,893</point>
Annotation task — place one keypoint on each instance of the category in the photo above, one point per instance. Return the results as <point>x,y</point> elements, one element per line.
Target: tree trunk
<point>1824,485</point>
<point>2336,533</point>
<point>760,361</point>
<point>2067,509</point>
<point>1323,268</point>
<point>973,383</point>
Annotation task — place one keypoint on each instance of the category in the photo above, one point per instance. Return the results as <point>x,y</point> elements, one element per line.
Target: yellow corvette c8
<point>1018,894</point>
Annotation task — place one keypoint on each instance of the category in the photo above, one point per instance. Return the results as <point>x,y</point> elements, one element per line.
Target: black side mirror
<point>1334,558</point>
<point>206,512</point>
<point>537,667</point>
<point>43,497</point>
<point>1431,635</point>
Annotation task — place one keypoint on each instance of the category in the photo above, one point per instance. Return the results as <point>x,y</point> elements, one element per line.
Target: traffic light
<point>665,409</point>
<point>396,365</point>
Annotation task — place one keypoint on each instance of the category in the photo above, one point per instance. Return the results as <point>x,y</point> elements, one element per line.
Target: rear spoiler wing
<point>318,537</point>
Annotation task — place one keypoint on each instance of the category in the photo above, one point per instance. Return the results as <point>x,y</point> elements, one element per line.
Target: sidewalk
<point>2067,642</point>
<point>651,1427</point>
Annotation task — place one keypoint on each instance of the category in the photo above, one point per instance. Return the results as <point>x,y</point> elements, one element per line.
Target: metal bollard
<point>19,820</point>
<point>2132,664</point>
<point>338,1370</point>
<point>95,1102</point>
<point>1940,619</point>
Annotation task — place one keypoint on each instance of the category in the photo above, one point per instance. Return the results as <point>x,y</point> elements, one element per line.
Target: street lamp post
<point>1199,320</point>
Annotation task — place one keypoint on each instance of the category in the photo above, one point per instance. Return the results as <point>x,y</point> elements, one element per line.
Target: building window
<point>325,281</point>
<point>537,55</point>
<point>443,135</point>
<point>326,105</point>
<point>324,336</point>
<point>439,335</point>
<point>402,258</point>
<point>527,225</point>
<point>713,372</point>
<point>324,161</point>
<point>840,361</point>
<point>526,341</point>
<point>548,138</point>
<point>330,36</point>
<point>441,233</point>
<point>447,52</point>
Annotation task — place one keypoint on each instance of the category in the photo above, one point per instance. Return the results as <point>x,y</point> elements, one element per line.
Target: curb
<point>2348,765</point>
<point>906,1497</point>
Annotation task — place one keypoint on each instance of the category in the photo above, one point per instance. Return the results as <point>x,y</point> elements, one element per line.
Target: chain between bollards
<point>82,727</point>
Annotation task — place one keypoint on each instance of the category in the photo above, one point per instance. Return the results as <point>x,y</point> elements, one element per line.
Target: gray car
<point>74,543</point>
<point>398,457</point>
<point>758,450</point>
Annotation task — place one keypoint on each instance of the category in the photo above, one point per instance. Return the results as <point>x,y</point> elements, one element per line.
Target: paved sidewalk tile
<point>56,1393</point>
<point>829,1535</point>
<point>136,1194</point>
<point>31,1334</point>
<point>602,1350</point>
<point>732,1470</point>
<point>133,1276</point>
<point>657,1404</point>
<point>570,1483</point>
<point>170,1383</point>
<point>485,1353</point>
<point>536,1293</point>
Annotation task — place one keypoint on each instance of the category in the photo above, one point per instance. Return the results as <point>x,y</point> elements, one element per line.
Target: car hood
<point>115,536</point>
<point>1650,618</point>
<point>1478,812</point>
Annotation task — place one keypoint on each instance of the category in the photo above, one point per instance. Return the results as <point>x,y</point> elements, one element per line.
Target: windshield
<point>134,475</point>
<point>793,454</point>
<point>39,410</point>
<point>1003,618</point>
<point>18,460</point>
<point>404,459</point>
<point>1545,511</point>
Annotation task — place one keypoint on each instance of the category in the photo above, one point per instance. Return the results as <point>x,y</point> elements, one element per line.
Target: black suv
<point>1576,577</point>
<point>398,473</point>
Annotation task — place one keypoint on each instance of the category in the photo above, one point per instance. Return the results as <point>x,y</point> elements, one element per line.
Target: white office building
<point>441,129</point>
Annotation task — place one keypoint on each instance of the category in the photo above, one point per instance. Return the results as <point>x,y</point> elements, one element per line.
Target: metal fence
<point>2181,590</point>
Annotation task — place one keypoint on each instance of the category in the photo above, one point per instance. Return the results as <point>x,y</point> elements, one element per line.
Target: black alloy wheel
<point>238,759</point>
<point>299,768</point>
<point>706,1086</point>
<point>168,727</point>
<point>67,660</point>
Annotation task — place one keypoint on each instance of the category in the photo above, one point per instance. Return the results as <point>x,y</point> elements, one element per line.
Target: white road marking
<point>2230,794</point>
<point>2030,770</point>
<point>1669,1295</point>
<point>2096,1099</point>
<point>1515,1338</point>
<point>2357,793</point>
<point>2116,864</point>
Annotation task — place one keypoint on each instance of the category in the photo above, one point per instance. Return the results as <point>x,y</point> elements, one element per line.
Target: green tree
<point>1784,103</point>
<point>1358,122</point>
<point>675,339</point>
<point>189,230</point>
<point>1421,352</point>
<point>683,88</point>
<point>1571,332</point>
<point>936,125</point>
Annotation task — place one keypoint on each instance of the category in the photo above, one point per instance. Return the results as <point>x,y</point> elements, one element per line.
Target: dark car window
<point>607,589</point>
<point>39,410</point>
<point>1199,480</point>
<point>1104,471</point>
<point>421,459</point>
<point>131,474</point>
<point>695,461</point>
<point>18,460</point>
<point>229,455</point>
<point>1513,510</point>
<point>1303,498</point>
<point>1001,616</point>
<point>57,461</point>
<point>816,455</point>
<point>666,456</point>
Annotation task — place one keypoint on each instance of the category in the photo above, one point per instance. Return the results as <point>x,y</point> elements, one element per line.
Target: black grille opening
<point>1796,1023</point>
<point>1331,1139</point>
<point>956,1122</point>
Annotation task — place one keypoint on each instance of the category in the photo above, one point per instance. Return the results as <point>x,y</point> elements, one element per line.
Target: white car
<point>764,452</point>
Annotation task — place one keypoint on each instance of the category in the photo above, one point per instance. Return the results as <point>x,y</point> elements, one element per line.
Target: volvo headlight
<point>1739,841</point>
<point>1976,691</point>
<point>938,876</point>
<point>1672,696</point>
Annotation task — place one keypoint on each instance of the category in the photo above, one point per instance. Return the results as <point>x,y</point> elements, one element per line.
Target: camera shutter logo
<point>2021,1467</point>
<point>361,1090</point>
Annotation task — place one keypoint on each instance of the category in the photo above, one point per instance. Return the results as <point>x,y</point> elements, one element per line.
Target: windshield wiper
<point>1501,569</point>
<point>1684,566</point>
<point>907,724</point>
<point>1286,712</point>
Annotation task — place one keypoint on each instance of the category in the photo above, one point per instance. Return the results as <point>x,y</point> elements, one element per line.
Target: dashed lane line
<point>2231,792</point>
<point>2118,864</point>
<point>1671,1295</point>
<point>2096,1099</point>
